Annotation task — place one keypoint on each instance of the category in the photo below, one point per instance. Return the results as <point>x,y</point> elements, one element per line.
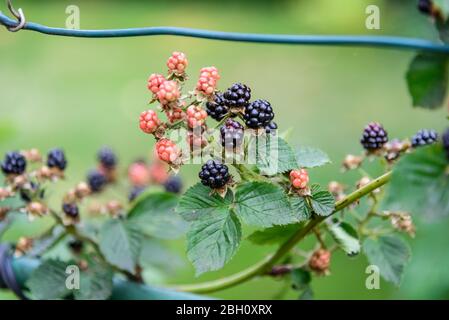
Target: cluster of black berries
<point>374,137</point>
<point>14,163</point>
<point>98,178</point>
<point>424,137</point>
<point>56,159</point>
<point>214,174</point>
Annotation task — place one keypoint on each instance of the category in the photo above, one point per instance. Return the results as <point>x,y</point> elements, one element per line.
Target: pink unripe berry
<point>154,82</point>
<point>167,150</point>
<point>196,116</point>
<point>207,81</point>
<point>149,121</point>
<point>177,62</point>
<point>299,178</point>
<point>175,114</point>
<point>168,92</point>
<point>139,174</point>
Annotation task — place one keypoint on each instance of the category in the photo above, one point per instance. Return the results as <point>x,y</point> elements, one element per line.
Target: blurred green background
<point>82,94</point>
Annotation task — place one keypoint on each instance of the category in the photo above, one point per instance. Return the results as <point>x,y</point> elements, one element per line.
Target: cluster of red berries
<point>299,178</point>
<point>207,82</point>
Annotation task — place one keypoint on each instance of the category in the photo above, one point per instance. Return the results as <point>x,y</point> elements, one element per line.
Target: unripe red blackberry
<point>154,82</point>
<point>299,178</point>
<point>214,174</point>
<point>196,138</point>
<point>168,92</point>
<point>96,180</point>
<point>445,139</point>
<point>14,163</point>
<point>232,134</point>
<point>196,116</point>
<point>237,96</point>
<point>175,114</point>
<point>177,63</point>
<point>158,172</point>
<point>149,121</point>
<point>258,114</point>
<point>139,174</point>
<point>424,137</point>
<point>207,81</point>
<point>374,137</point>
<point>167,151</point>
<point>217,108</point>
<point>71,210</point>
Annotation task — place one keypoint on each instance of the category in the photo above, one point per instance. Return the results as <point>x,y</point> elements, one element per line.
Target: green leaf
<point>199,201</point>
<point>273,155</point>
<point>275,234</point>
<point>156,254</point>
<point>322,202</point>
<point>95,282</point>
<point>264,204</point>
<point>301,278</point>
<point>427,80</point>
<point>300,206</point>
<point>48,281</point>
<point>346,237</point>
<point>120,242</point>
<point>213,240</point>
<point>390,254</point>
<point>309,157</point>
<point>420,183</point>
<point>155,215</point>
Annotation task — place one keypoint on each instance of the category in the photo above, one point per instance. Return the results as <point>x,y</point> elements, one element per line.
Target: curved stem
<point>262,266</point>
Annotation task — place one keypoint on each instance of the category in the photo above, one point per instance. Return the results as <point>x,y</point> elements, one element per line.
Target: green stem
<point>265,264</point>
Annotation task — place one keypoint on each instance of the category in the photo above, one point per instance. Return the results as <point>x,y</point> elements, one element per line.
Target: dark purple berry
<point>56,159</point>
<point>214,174</point>
<point>374,136</point>
<point>445,139</point>
<point>271,127</point>
<point>76,246</point>
<point>237,96</point>
<point>217,109</point>
<point>424,137</point>
<point>96,180</point>
<point>135,192</point>
<point>173,184</point>
<point>258,114</point>
<point>425,6</point>
<point>107,158</point>
<point>232,133</point>
<point>71,210</point>
<point>14,163</point>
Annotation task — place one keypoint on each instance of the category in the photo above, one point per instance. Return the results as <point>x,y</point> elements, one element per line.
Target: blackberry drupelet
<point>214,174</point>
<point>374,137</point>
<point>424,137</point>
<point>135,192</point>
<point>96,180</point>
<point>237,96</point>
<point>258,114</point>
<point>56,159</point>
<point>14,163</point>
<point>173,184</point>
<point>217,109</point>
<point>107,158</point>
<point>70,209</point>
<point>271,127</point>
<point>232,133</point>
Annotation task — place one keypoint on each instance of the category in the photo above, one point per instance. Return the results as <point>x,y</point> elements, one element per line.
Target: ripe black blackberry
<point>173,184</point>
<point>107,158</point>
<point>374,137</point>
<point>71,210</point>
<point>445,139</point>
<point>258,114</point>
<point>217,109</point>
<point>56,159</point>
<point>214,174</point>
<point>425,6</point>
<point>14,163</point>
<point>237,96</point>
<point>424,137</point>
<point>76,246</point>
<point>135,192</point>
<point>96,180</point>
<point>271,127</point>
<point>232,133</point>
